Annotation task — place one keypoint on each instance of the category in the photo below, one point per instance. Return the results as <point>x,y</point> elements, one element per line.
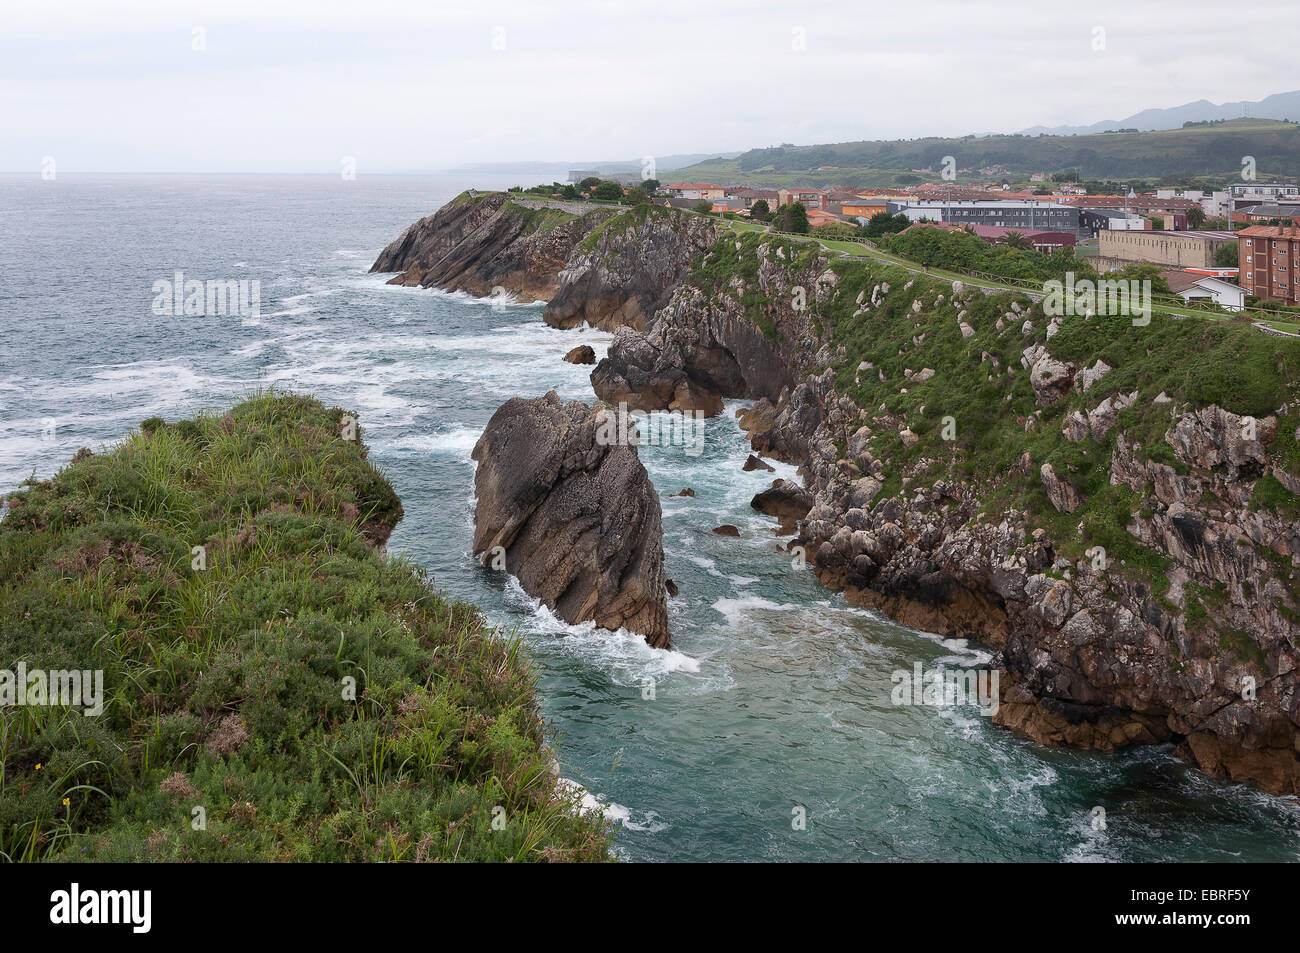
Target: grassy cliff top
<point>980,386</point>
<point>222,572</point>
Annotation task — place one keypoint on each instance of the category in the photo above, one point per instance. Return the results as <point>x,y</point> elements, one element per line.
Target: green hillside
<point>1214,150</point>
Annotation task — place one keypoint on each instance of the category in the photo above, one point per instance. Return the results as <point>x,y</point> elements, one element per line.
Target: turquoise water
<point>776,696</point>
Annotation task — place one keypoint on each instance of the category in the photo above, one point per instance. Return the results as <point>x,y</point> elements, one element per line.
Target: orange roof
<point>1272,231</point>
<point>820,217</point>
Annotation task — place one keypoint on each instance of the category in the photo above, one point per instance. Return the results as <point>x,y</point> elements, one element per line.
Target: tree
<point>1141,271</point>
<point>569,192</point>
<point>1225,256</point>
<point>760,210</point>
<point>608,192</point>
<point>793,218</point>
<point>882,223</point>
<point>703,207</point>
<point>650,185</point>
<point>588,182</point>
<point>1016,240</point>
<point>636,196</point>
<point>1195,216</point>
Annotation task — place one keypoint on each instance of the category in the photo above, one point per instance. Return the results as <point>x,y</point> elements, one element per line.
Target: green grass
<point>541,218</point>
<point>1195,360</point>
<point>226,679</point>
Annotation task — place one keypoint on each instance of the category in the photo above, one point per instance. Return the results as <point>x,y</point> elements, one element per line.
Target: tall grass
<point>315,700</point>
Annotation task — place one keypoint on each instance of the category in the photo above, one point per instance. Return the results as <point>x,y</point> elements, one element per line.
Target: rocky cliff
<point>1069,493</point>
<point>477,243</point>
<point>565,506</point>
<point>1110,506</point>
<point>626,269</point>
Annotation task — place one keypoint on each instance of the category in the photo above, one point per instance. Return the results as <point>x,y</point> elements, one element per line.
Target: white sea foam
<point>613,811</point>
<point>457,443</point>
<point>625,656</point>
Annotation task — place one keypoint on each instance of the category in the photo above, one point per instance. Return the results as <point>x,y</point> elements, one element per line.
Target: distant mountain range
<point>1277,106</point>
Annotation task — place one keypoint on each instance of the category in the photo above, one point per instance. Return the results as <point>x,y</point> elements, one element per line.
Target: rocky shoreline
<point>1131,556</point>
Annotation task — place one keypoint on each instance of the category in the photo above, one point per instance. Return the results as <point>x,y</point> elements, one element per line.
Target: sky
<point>289,86</point>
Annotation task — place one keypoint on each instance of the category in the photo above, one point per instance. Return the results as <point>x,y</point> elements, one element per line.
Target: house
<point>819,216</point>
<point>1266,255</point>
<point>864,208</point>
<point>1223,293</point>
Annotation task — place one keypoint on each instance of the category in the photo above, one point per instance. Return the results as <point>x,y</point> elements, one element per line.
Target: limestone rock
<point>573,513</point>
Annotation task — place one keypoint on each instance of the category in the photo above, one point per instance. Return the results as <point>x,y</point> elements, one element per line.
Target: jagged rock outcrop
<point>1060,493</point>
<point>479,243</point>
<point>631,272</point>
<point>582,354</point>
<point>1089,657</point>
<point>570,512</point>
<point>786,501</point>
<point>701,348</point>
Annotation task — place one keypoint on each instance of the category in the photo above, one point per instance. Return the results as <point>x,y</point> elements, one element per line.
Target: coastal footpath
<point>264,684</point>
<point>1110,506</point>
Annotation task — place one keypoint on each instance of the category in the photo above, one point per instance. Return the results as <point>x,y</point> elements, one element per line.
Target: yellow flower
<point>38,767</point>
<point>66,802</point>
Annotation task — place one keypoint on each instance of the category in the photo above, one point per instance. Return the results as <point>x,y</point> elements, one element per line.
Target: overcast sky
<point>403,85</point>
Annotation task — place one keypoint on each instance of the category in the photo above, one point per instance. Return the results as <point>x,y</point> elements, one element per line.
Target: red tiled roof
<point>1290,232</point>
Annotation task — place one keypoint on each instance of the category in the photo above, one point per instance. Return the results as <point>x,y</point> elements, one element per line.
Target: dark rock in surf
<point>573,514</point>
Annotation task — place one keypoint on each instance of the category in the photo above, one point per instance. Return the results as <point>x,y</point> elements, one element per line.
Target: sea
<point>771,730</point>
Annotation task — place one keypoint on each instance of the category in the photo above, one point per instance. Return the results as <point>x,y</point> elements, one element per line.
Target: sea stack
<point>566,507</point>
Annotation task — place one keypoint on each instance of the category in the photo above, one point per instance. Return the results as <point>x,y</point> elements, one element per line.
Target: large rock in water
<point>576,516</point>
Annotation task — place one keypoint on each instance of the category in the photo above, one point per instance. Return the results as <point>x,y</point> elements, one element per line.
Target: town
<point>1232,249</point>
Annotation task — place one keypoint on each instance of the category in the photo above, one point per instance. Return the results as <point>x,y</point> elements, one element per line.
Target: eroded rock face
<point>630,273</point>
<point>700,348</point>
<point>572,514</point>
<point>1061,494</point>
<point>486,242</point>
<point>1090,658</point>
<point>582,354</point>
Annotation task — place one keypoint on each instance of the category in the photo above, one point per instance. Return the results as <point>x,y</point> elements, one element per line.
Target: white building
<point>1215,204</point>
<point>1223,293</point>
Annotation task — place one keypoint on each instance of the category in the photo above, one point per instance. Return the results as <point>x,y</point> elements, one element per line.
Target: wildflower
<point>66,801</point>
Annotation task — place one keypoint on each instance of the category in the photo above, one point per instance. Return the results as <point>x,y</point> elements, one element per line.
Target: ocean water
<point>775,702</point>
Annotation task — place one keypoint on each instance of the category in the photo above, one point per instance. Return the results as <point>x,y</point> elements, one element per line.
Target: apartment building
<point>1267,257</point>
<point>810,198</point>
